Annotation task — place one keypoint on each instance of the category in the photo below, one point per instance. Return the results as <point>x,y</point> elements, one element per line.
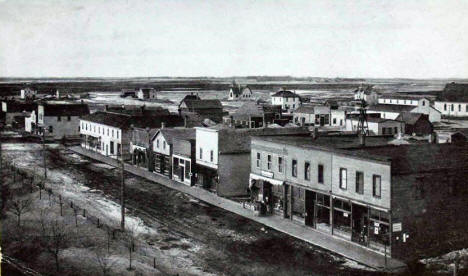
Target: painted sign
<point>396,227</point>
<point>267,174</point>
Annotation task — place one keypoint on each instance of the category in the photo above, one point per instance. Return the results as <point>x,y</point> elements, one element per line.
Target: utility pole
<point>44,153</point>
<point>1,156</point>
<point>122,191</point>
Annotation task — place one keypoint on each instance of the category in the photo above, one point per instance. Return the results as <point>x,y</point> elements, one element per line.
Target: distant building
<point>403,201</point>
<point>141,148</point>
<point>58,120</point>
<point>338,117</point>
<point>416,123</point>
<point>367,94</point>
<point>253,115</point>
<point>13,108</point>
<point>192,105</point>
<point>312,115</point>
<point>238,92</point>
<point>28,93</point>
<point>453,100</point>
<point>223,157</point>
<point>128,93</point>
<point>419,104</point>
<point>392,111</point>
<point>146,94</point>
<point>288,100</point>
<point>377,126</point>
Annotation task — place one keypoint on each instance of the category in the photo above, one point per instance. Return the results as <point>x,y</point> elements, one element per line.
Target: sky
<point>332,38</point>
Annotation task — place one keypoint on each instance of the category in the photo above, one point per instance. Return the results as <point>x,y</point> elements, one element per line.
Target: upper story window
<point>320,173</point>
<point>201,153</point>
<point>259,159</point>
<point>307,171</point>
<point>466,107</point>
<point>452,107</point>
<point>459,107</point>
<point>108,132</point>
<point>343,178</point>
<point>51,129</point>
<point>280,164</point>
<point>445,107</point>
<point>211,155</point>
<point>360,182</point>
<point>376,185</point>
<point>117,133</point>
<point>294,168</point>
<point>164,145</point>
<point>112,133</point>
<point>157,143</point>
<point>59,118</point>
<point>68,118</point>
<point>424,103</point>
<point>269,162</point>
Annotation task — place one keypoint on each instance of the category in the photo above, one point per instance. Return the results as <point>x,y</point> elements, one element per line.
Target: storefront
<point>269,193</point>
<point>182,169</point>
<point>163,164</point>
<point>342,215</point>
<point>207,178</point>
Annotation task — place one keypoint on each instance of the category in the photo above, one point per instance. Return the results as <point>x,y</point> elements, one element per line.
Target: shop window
<point>320,173</point>
<point>269,162</point>
<point>342,217</point>
<point>360,182</point>
<point>323,211</point>
<point>343,178</point>
<point>376,185</point>
<point>294,168</point>
<point>259,159</point>
<point>280,164</point>
<point>307,171</point>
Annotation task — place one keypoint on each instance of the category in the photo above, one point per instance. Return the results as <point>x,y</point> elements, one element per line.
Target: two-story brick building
<point>390,199</point>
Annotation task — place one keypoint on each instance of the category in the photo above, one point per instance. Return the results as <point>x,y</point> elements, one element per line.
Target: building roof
<point>255,109</point>
<point>422,158</point>
<point>19,106</point>
<point>65,109</point>
<point>400,96</point>
<point>285,94</point>
<point>175,133</point>
<point>201,104</point>
<point>124,121</point>
<point>371,119</point>
<point>311,109</point>
<point>391,108</point>
<point>410,118</point>
<point>238,89</point>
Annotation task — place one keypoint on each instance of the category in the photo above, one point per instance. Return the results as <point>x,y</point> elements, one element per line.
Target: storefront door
<point>309,208</point>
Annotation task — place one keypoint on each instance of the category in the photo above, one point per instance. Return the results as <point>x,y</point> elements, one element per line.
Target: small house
<point>238,92</point>
<point>146,94</point>
<point>416,123</point>
<point>288,100</point>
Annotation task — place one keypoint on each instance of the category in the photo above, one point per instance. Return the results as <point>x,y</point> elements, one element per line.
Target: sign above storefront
<point>267,174</point>
<point>396,227</point>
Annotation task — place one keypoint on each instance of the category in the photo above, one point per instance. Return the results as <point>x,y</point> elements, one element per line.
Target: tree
<point>130,238</point>
<point>55,238</point>
<point>104,260</point>
<point>20,206</point>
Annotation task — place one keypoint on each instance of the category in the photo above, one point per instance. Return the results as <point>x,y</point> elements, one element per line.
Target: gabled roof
<point>391,108</point>
<point>65,109</point>
<point>285,93</point>
<point>201,104</point>
<point>311,109</point>
<point>254,109</point>
<point>410,118</point>
<point>170,134</point>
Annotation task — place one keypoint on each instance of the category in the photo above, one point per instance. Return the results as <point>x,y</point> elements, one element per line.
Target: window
<point>396,130</point>
<point>68,118</point>
<point>259,158</point>
<point>269,162</point>
<point>360,182</point>
<point>59,118</point>
<point>334,121</point>
<point>117,133</point>
<point>343,178</point>
<point>452,107</point>
<point>164,145</point>
<point>157,143</point>
<point>424,103</point>
<point>294,168</point>
<point>445,107</point>
<point>201,153</point>
<point>307,171</point>
<point>466,108</point>
<point>376,185</point>
<point>459,107</point>
<point>211,155</point>
<point>320,173</point>
<point>51,129</point>
<point>107,132</point>
<point>280,164</point>
<point>112,133</point>
<point>341,122</point>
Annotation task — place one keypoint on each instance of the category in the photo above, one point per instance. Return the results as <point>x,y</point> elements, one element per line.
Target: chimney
<point>163,125</point>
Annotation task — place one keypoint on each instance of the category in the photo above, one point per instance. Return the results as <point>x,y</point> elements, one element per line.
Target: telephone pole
<point>44,153</point>
<point>122,191</point>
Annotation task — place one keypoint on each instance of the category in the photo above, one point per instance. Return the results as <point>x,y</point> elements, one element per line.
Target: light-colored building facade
<point>28,93</point>
<point>452,109</point>
<point>104,138</point>
<point>146,94</point>
<point>316,115</point>
<point>377,126</point>
<point>288,100</point>
<point>58,120</point>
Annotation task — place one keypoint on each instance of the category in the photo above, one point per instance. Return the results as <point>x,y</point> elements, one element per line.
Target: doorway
<point>360,224</point>
<point>309,208</point>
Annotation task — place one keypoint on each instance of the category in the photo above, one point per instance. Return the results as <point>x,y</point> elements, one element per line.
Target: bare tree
<point>104,260</point>
<point>20,206</point>
<point>55,238</point>
<point>130,238</point>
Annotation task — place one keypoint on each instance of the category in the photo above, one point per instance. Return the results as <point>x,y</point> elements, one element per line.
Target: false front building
<point>396,200</point>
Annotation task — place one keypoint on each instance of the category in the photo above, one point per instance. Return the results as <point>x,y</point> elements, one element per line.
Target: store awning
<point>270,180</point>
